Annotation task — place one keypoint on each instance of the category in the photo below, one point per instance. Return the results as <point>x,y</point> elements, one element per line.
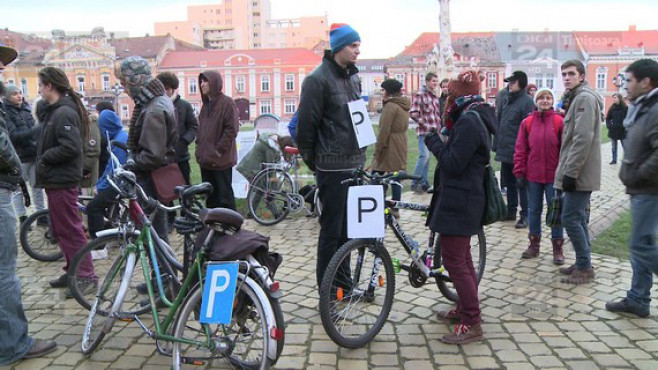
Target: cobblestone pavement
<point>530,319</point>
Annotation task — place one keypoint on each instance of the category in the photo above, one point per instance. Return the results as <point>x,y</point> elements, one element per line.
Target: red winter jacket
<point>537,148</point>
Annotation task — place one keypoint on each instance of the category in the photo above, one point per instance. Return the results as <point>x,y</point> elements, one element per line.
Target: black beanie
<point>391,86</point>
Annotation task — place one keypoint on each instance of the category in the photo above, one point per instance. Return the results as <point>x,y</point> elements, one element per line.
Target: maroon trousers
<point>456,255</point>
<point>67,227</point>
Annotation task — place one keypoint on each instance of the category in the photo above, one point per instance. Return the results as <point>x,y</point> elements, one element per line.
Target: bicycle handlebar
<point>359,174</point>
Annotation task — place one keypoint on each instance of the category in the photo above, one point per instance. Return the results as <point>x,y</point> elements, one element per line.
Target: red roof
<point>261,57</point>
<point>426,41</point>
<point>146,47</point>
<point>609,42</point>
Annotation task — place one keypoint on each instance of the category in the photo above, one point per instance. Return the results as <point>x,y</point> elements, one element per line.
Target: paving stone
<point>648,345</point>
<point>482,362</point>
<point>384,360</point>
<point>510,355</point>
<point>128,362</point>
<point>570,353</point>
<point>633,354</point>
<point>418,365</point>
<point>610,360</point>
<point>324,346</point>
<point>594,347</point>
<point>502,344</point>
<point>414,353</point>
<point>322,359</point>
<point>383,347</point>
<point>446,359</point>
<point>352,364</point>
<point>534,349</point>
<point>546,361</point>
<point>583,365</point>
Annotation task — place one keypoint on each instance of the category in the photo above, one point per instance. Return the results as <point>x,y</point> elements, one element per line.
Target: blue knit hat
<point>341,35</point>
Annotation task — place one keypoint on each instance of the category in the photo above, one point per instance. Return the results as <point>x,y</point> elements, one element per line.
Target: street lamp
<point>117,89</point>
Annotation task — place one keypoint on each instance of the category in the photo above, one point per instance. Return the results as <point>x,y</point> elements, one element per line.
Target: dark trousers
<point>160,221</point>
<point>222,191</point>
<point>333,222</point>
<point>185,170</point>
<point>514,194</point>
<point>456,255</point>
<point>97,208</point>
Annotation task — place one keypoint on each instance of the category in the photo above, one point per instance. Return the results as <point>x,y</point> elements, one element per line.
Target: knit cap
<point>467,83</point>
<point>341,35</point>
<point>543,91</point>
<point>10,90</point>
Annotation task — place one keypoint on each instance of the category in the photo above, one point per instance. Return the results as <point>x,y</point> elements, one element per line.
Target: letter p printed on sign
<point>365,134</point>
<point>365,212</point>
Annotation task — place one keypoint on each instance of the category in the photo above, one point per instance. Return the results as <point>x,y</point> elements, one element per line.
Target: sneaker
<point>451,315</point>
<point>464,334</point>
<point>627,305</point>
<point>60,282</point>
<point>522,223</point>
<point>86,286</point>
<point>580,276</point>
<point>567,270</point>
<point>40,347</point>
<point>613,162</point>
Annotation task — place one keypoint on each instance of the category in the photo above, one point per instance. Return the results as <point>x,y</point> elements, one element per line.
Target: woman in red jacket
<point>535,160</point>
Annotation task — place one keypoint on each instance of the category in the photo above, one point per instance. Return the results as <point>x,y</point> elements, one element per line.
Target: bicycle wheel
<point>246,336</point>
<point>351,313</point>
<point>266,198</point>
<point>318,203</point>
<point>108,301</point>
<point>478,255</point>
<point>280,324</point>
<point>37,238</point>
<point>104,252</point>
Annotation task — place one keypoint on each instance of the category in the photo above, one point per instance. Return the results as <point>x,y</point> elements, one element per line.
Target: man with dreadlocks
<point>153,132</point>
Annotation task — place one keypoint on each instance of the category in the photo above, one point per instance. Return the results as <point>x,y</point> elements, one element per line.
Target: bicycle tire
<point>264,191</point>
<point>280,324</point>
<point>107,248</point>
<point>185,328</point>
<point>445,287</point>
<point>100,317</point>
<point>366,329</point>
<point>37,239</point>
<point>317,203</point>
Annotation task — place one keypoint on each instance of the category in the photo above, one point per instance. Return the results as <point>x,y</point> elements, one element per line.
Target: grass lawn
<point>604,134</point>
<point>614,241</point>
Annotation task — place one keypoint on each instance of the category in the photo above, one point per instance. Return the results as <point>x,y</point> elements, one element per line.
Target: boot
<point>558,255</point>
<point>533,248</point>
<point>464,334</point>
<point>580,277</point>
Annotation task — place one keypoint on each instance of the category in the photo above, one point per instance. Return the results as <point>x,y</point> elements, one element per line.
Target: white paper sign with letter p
<point>365,134</point>
<point>365,212</point>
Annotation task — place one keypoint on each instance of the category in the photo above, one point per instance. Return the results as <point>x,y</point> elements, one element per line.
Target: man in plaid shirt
<point>426,112</point>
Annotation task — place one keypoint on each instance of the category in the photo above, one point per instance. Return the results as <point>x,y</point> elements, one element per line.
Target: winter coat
<point>325,134</point>
<point>514,108</point>
<point>110,127</point>
<point>187,128</point>
<point>614,121</point>
<point>639,169</point>
<point>580,155</point>
<point>22,131</point>
<point>10,164</point>
<point>156,136</point>
<point>457,208</point>
<point>265,150</point>
<point>59,149</point>
<point>218,127</point>
<point>392,147</point>
<point>537,150</point>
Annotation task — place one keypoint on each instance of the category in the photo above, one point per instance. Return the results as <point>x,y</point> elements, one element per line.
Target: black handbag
<point>554,212</point>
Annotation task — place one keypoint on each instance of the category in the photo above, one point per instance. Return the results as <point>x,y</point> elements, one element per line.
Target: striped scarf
<point>151,90</point>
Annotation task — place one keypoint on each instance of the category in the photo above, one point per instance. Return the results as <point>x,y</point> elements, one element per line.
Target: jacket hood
<point>216,84</point>
<point>402,101</point>
<point>488,115</point>
<point>109,123</point>
<point>585,88</point>
<point>63,101</point>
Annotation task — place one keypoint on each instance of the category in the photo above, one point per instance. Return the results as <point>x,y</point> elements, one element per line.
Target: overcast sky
<point>385,26</point>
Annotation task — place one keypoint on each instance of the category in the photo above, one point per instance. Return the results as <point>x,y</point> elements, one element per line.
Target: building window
<point>239,83</point>
<point>81,83</point>
<point>289,106</point>
<point>492,80</point>
<point>400,77</point>
<point>106,82</point>
<point>550,80</point>
<point>24,86</point>
<point>539,81</point>
<point>290,82</point>
<point>124,111</point>
<point>601,77</point>
<point>265,106</point>
<point>265,83</point>
<point>191,86</point>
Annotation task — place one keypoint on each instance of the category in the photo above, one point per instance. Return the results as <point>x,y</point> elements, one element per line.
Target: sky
<point>385,26</point>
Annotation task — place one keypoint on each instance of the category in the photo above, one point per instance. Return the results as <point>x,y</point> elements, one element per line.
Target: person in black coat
<point>458,206</point>
<point>614,121</point>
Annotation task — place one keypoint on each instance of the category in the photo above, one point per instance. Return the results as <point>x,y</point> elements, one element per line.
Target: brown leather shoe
<point>533,247</point>
<point>464,334</point>
<point>558,252</point>
<point>580,276</point>
<point>40,347</point>
<point>451,315</point>
<point>567,270</point>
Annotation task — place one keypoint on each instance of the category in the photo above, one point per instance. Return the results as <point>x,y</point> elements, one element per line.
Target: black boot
<point>522,223</point>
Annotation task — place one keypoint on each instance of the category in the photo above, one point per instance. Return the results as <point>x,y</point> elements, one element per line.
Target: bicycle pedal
<point>124,317</point>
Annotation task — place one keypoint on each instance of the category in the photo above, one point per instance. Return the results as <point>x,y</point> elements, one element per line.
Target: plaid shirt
<point>426,111</point>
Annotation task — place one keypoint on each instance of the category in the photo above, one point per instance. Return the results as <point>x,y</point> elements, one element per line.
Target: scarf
<point>151,90</point>
<point>634,108</point>
<point>456,106</point>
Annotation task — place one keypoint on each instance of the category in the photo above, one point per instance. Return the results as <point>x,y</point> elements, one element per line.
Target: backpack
<point>91,148</point>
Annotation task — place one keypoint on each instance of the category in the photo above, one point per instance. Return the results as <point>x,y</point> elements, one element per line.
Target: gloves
<point>521,182</point>
<point>26,195</point>
<point>568,183</point>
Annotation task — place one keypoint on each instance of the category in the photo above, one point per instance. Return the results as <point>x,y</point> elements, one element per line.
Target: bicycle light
<point>274,287</point>
<point>276,333</point>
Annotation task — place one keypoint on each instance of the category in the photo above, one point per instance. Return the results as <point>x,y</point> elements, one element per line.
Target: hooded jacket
<point>59,149</point>
<point>514,108</point>
<point>392,147</point>
<point>537,150</point>
<point>580,155</point>
<point>23,134</point>
<point>111,128</point>
<point>218,127</point>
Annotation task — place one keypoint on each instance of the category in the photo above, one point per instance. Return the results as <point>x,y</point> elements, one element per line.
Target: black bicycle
<point>358,286</point>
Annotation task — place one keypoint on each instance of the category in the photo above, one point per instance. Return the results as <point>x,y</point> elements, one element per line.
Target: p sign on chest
<point>218,293</point>
<point>365,212</point>
<point>365,134</point>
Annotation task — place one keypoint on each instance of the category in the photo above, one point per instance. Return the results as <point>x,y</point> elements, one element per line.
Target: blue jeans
<point>536,192</point>
<point>515,195</point>
<point>14,341</point>
<point>644,251</point>
<point>614,148</point>
<point>575,219</point>
<point>423,163</point>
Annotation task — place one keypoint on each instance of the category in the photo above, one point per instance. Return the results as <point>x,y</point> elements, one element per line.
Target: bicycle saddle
<point>223,216</point>
<point>291,150</point>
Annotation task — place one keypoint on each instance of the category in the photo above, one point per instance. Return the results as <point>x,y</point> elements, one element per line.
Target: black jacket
<point>512,108</point>
<point>457,208</point>
<point>325,135</point>
<point>10,165</point>
<point>614,121</point>
<point>187,128</point>
<point>59,149</point>
<point>23,134</point>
